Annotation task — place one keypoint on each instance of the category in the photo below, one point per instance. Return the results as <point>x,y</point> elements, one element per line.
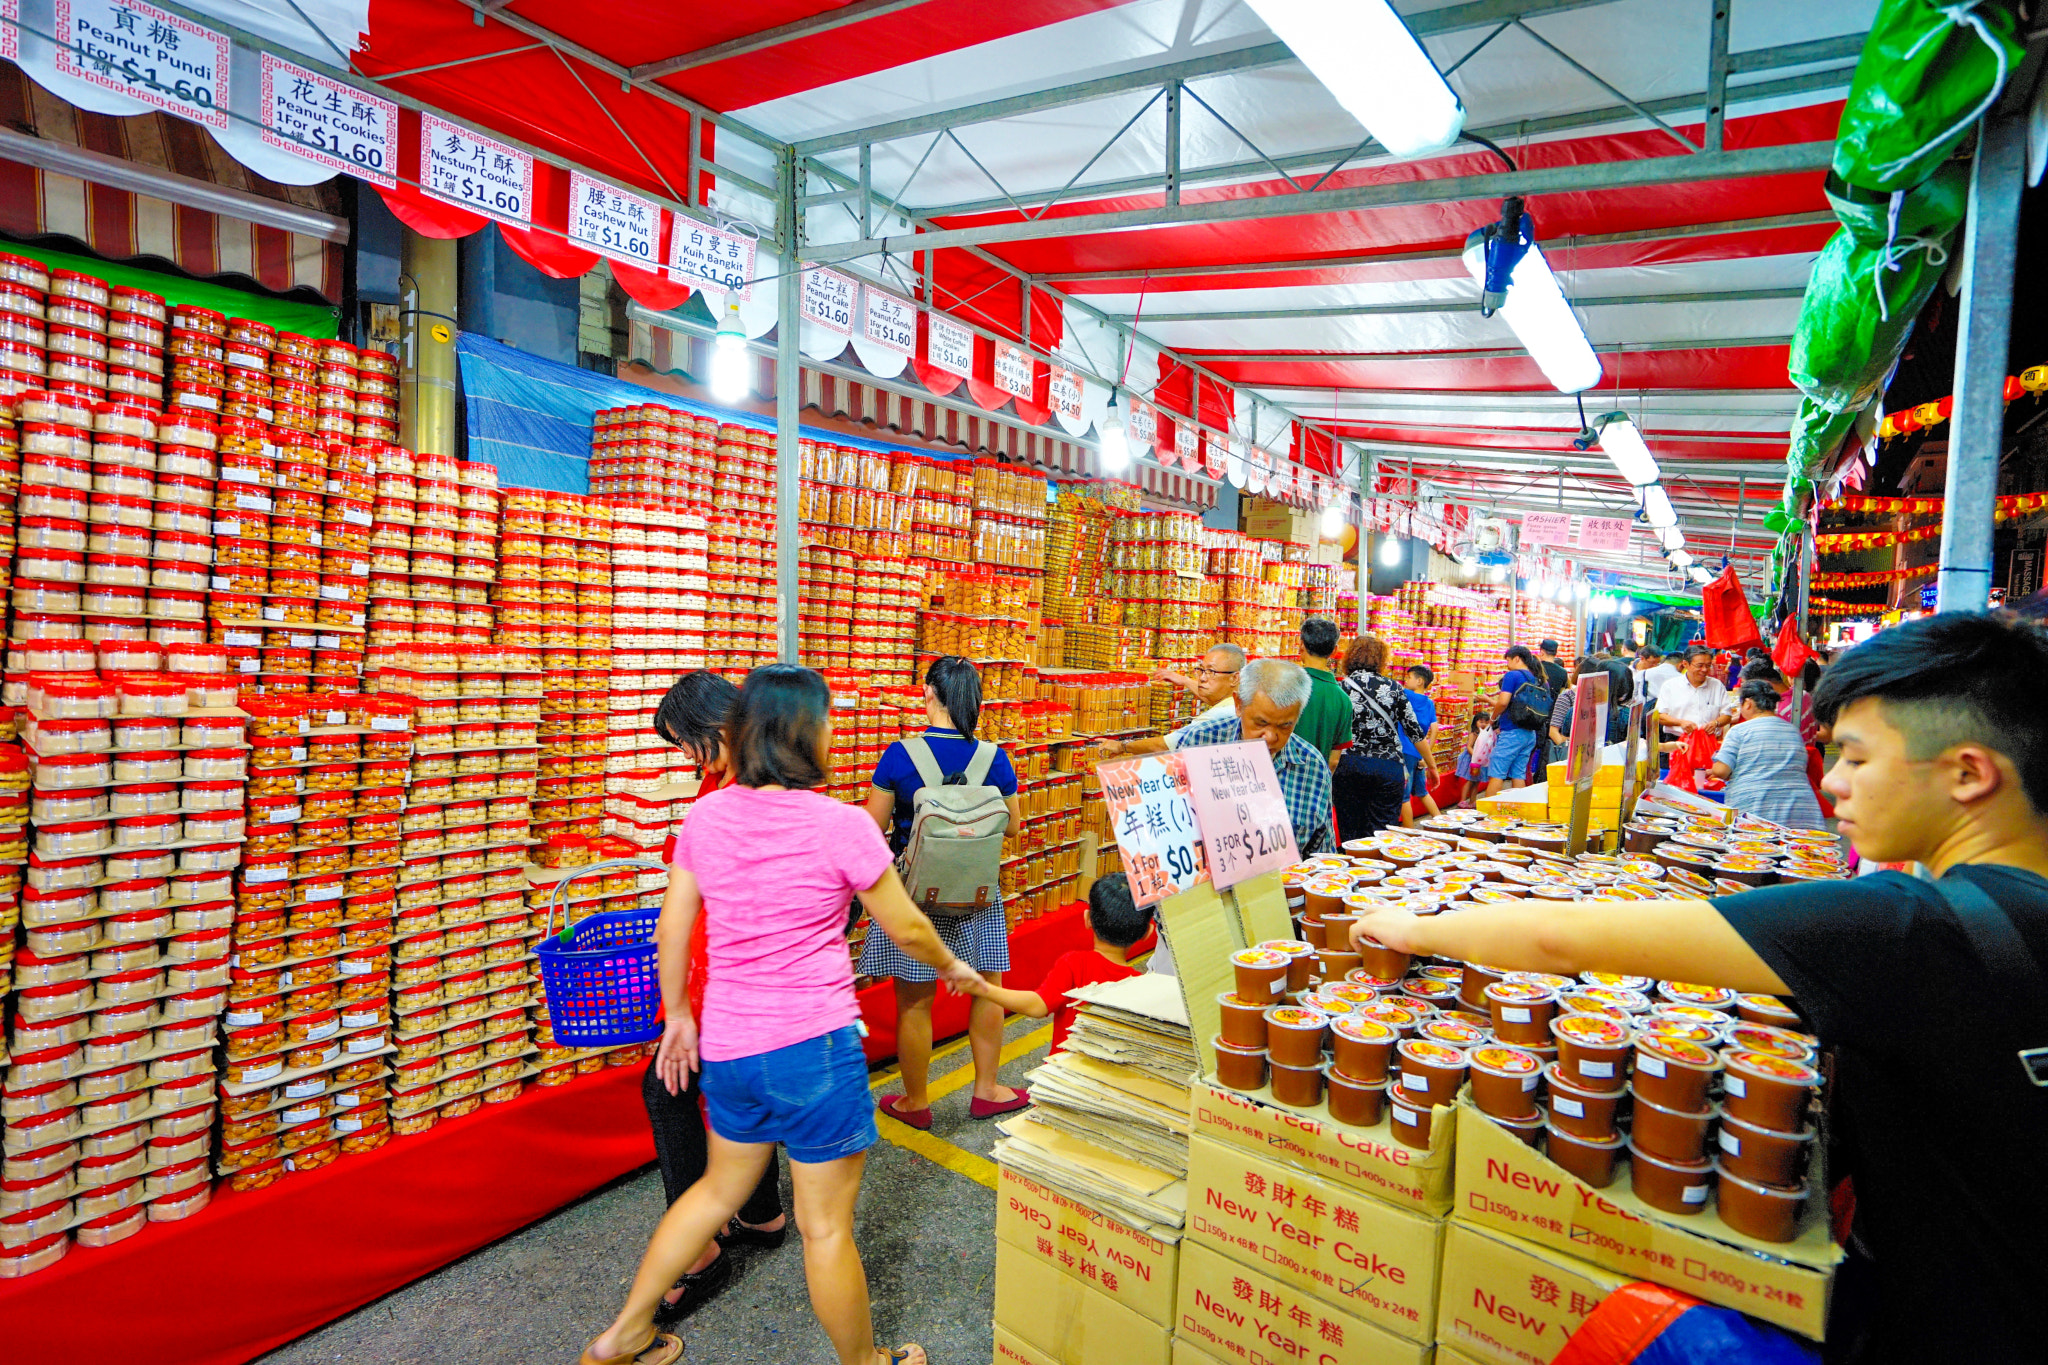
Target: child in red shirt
<point>1117,923</point>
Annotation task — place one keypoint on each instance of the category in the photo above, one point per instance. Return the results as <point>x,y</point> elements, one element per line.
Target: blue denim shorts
<point>1511,750</point>
<point>812,1097</point>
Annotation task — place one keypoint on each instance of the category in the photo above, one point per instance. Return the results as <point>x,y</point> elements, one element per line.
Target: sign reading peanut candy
<point>1154,825</point>
<point>1237,803</point>
<point>889,322</point>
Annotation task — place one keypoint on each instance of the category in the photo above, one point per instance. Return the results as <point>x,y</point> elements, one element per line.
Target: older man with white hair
<point>1270,696</point>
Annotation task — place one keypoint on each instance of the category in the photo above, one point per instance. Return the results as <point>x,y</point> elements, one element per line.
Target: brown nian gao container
<point>1261,973</point>
<point>1431,1073</point>
<point>1504,1081</point>
<point>1674,1072</point>
<point>1593,1049</point>
<point>1761,1154</point>
<point>1300,1086</point>
<point>1668,1134</point>
<point>1358,1103</point>
<point>1244,1021</point>
<point>1240,1068</point>
<point>1294,1036</point>
<point>1361,1047</point>
<point>1408,1118</point>
<point>1769,1213</point>
<point>1582,1113</point>
<point>1591,1159</point>
<point>1770,1092</point>
<point>1679,1187</point>
<point>1522,1012</point>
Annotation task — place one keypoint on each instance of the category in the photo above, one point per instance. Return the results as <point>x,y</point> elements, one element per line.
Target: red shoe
<point>920,1119</point>
<point>988,1109</point>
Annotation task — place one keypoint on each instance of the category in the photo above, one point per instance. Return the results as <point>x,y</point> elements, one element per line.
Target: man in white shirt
<point>1214,684</point>
<point>1694,700</point>
<point>1653,670</point>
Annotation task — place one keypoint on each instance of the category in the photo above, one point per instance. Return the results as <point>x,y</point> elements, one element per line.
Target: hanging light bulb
<point>729,353</point>
<point>1116,449</point>
<point>1583,589</point>
<point>1499,574</point>
<point>1700,575</point>
<point>1390,550</point>
<point>1333,518</point>
<point>1679,559</point>
<point>1671,538</point>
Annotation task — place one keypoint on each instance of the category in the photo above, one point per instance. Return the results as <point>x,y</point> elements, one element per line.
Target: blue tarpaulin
<point>532,418</point>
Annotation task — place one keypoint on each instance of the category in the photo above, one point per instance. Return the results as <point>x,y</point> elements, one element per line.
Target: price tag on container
<point>613,222</point>
<point>1154,825</point>
<point>948,346</point>
<point>475,171</point>
<point>145,53</point>
<point>328,123</point>
<point>1237,800</point>
<point>828,300</point>
<point>1013,369</point>
<point>888,321</point>
<point>717,261</point>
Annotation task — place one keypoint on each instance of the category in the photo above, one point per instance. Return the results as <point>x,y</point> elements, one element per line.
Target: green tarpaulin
<point>315,320</point>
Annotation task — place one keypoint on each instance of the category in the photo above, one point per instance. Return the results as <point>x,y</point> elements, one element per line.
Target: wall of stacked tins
<point>308,729</point>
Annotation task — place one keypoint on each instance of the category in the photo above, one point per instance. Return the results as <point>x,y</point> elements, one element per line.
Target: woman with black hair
<point>692,716</point>
<point>952,706</point>
<point>771,865</point>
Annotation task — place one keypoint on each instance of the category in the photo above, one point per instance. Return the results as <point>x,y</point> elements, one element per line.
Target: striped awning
<point>121,224</point>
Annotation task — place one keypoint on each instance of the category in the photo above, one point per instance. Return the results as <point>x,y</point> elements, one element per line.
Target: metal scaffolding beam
<point>856,12</point>
<point>1500,353</point>
<point>1458,305</point>
<point>1606,175</point>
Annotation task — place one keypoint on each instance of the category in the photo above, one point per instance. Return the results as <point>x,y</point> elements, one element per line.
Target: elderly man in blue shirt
<point>1270,696</point>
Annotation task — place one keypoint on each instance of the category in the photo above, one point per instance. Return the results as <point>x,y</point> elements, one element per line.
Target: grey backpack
<point>952,865</point>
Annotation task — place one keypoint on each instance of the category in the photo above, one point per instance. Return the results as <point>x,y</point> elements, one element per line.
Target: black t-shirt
<point>1554,675</point>
<point>1932,1113</point>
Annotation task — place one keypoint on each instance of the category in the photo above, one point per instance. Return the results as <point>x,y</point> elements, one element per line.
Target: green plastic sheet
<point>1928,71</point>
<point>315,320</point>
<point>1866,290</point>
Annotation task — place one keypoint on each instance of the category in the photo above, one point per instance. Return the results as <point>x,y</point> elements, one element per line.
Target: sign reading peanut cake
<point>1243,816</point>
<point>1154,825</point>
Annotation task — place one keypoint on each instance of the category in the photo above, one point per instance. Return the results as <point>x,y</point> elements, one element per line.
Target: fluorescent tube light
<point>1542,321</point>
<point>1624,445</point>
<point>1671,538</point>
<point>1679,559</point>
<point>1373,66</point>
<point>1657,507</point>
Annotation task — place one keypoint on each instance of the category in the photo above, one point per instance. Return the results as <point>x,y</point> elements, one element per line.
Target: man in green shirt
<point>1326,720</point>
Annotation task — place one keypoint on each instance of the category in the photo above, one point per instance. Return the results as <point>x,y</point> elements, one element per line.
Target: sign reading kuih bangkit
<point>716,260</point>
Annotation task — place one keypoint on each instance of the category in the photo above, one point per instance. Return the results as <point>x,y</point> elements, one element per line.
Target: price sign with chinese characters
<point>1238,804</point>
<point>889,322</point>
<point>716,260</point>
<point>147,54</point>
<point>1603,533</point>
<point>1063,392</point>
<point>612,221</point>
<point>948,346</point>
<point>1013,370</point>
<point>328,123</point>
<point>1546,528</point>
<point>828,300</point>
<point>1187,443</point>
<point>1215,454</point>
<point>475,171</point>
<point>1141,426</point>
<point>1154,825</point>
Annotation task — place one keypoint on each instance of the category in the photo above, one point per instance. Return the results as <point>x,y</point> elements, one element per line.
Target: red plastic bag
<point>1788,651</point>
<point>1691,760</point>
<point>1729,624</point>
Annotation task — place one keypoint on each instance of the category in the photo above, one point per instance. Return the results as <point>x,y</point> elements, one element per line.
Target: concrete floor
<point>926,1232</point>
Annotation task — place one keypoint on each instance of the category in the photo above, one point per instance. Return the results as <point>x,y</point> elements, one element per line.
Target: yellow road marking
<point>964,1075</point>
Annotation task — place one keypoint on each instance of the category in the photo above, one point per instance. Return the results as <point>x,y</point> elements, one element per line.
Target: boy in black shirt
<point>1930,992</point>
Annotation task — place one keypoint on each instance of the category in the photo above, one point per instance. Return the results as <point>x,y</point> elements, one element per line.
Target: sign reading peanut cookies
<point>331,124</point>
<point>1237,802</point>
<point>1155,827</point>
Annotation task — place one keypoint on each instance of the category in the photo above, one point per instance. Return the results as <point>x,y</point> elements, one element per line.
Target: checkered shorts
<point>982,941</point>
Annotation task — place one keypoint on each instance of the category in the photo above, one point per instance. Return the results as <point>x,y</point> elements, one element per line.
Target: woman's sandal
<point>901,1355</point>
<point>698,1289</point>
<point>920,1119</point>
<point>738,1234</point>
<point>663,1348</point>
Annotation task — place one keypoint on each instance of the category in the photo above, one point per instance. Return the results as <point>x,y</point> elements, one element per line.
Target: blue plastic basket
<point>599,976</point>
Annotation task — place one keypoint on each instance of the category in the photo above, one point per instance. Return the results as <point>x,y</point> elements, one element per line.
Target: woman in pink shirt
<point>773,865</point>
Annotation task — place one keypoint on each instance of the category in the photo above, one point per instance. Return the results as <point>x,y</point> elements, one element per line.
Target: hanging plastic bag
<point>1729,624</point>
<point>1868,286</point>
<point>1691,760</point>
<point>1928,72</point>
<point>1788,651</point>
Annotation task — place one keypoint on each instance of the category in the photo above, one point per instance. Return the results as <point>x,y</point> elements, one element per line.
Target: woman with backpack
<point>1371,782</point>
<point>947,749</point>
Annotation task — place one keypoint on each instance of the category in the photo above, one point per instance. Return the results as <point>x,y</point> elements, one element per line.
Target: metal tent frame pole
<point>1983,343</point>
<point>788,403</point>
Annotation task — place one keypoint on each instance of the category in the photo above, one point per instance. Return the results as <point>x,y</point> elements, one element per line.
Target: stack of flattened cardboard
<point>1092,1193</point>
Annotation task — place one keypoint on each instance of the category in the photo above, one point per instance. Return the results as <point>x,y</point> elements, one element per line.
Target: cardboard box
<point>1241,1316</point>
<point>1185,1352</point>
<point>1506,1186</point>
<point>1055,1319</point>
<point>1277,521</point>
<point>1365,1256</point>
<point>1445,1355</point>
<point>1122,1264</point>
<point>1363,1159</point>
<point>1604,776</point>
<point>1505,1300</point>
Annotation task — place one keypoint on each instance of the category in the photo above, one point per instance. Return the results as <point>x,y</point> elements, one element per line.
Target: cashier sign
<point>1154,824</point>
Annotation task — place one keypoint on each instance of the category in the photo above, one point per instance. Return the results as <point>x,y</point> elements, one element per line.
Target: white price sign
<point>146,54</point>
<point>1142,426</point>
<point>475,171</point>
<point>1013,369</point>
<point>1215,454</point>
<point>828,300</point>
<point>328,123</point>
<point>1187,443</point>
<point>948,346</point>
<point>612,221</point>
<point>715,260</point>
<point>889,322</point>
<point>10,46</point>
<point>1064,393</point>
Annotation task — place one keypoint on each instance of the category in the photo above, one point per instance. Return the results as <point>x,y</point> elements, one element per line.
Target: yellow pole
<point>426,323</point>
